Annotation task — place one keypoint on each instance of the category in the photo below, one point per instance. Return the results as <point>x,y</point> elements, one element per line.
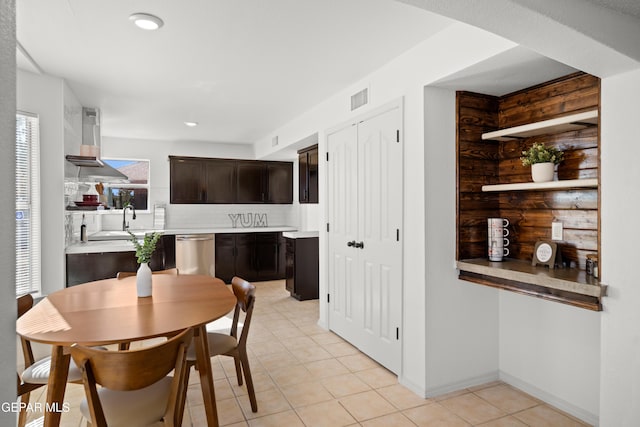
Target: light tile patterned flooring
<point>306,376</point>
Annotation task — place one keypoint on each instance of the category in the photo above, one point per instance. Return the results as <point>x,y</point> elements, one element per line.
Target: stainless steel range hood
<point>91,168</point>
<point>94,169</point>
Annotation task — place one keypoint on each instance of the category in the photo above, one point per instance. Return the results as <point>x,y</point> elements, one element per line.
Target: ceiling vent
<point>359,99</point>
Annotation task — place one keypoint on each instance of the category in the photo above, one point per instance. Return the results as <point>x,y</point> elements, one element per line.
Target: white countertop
<point>124,245</point>
<point>300,234</point>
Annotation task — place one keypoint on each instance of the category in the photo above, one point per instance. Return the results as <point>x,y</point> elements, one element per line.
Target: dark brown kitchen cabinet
<point>252,256</point>
<point>251,182</point>
<point>87,267</point>
<point>187,180</point>
<point>308,175</point>
<point>302,271</point>
<point>225,256</point>
<point>279,182</point>
<point>266,256</point>
<point>195,180</point>
<point>265,182</point>
<point>220,178</point>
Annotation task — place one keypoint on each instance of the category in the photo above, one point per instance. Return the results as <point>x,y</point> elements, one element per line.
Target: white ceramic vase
<point>542,172</point>
<point>143,280</point>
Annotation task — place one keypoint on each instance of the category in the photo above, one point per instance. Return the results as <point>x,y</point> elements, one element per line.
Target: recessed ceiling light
<point>191,124</point>
<point>146,21</point>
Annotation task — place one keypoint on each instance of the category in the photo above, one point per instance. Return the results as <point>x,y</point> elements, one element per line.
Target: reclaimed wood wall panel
<point>476,165</point>
<point>567,95</point>
<point>489,162</point>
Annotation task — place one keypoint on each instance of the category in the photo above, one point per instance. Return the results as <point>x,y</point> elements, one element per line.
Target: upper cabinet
<point>188,183</point>
<point>251,186</point>
<point>265,182</point>
<point>279,182</point>
<point>220,175</point>
<point>492,133</point>
<point>308,175</point>
<point>195,180</point>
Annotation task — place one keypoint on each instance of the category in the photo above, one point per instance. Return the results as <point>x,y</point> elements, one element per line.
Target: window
<point>27,204</point>
<point>136,192</point>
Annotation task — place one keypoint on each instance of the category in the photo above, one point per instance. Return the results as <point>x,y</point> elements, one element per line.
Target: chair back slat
<point>245,295</point>
<point>25,303</point>
<point>132,369</point>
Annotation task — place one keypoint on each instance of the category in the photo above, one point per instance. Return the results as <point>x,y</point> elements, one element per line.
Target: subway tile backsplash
<point>180,216</point>
<point>206,216</point>
<point>194,216</point>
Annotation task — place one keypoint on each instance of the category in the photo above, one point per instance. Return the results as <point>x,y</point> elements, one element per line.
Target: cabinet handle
<point>351,243</point>
<point>359,245</point>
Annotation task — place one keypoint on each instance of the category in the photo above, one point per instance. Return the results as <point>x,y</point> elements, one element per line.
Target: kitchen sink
<point>116,235</point>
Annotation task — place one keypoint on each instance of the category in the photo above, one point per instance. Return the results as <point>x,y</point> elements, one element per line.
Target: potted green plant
<point>144,251</point>
<point>542,160</point>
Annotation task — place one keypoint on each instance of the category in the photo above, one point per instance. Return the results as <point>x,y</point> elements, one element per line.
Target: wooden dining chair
<point>25,303</point>
<point>123,274</point>
<point>232,345</point>
<point>36,372</point>
<point>136,389</point>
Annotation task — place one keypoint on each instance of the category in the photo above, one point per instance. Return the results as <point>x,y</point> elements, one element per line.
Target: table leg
<point>203,361</point>
<point>56,386</point>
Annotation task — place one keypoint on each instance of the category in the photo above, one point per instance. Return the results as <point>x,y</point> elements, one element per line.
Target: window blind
<point>27,204</point>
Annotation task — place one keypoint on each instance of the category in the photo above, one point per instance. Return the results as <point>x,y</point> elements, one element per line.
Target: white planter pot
<point>542,172</point>
<point>143,280</point>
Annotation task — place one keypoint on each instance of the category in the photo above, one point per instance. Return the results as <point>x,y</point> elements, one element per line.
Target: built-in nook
<point>492,132</point>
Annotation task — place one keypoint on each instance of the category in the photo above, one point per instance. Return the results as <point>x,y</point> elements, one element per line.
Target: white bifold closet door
<point>365,218</point>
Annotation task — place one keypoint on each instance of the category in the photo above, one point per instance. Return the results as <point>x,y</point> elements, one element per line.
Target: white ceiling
<point>241,68</point>
<point>507,72</point>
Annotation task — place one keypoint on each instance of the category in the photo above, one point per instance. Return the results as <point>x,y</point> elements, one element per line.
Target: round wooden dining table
<point>109,311</point>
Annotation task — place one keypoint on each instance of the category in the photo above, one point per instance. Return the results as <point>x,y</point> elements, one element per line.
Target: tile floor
<point>306,376</point>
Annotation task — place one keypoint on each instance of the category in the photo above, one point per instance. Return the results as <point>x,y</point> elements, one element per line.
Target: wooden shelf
<point>551,185</point>
<point>567,285</point>
<point>558,125</point>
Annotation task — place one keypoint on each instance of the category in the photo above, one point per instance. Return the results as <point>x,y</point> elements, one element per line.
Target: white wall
<point>620,177</point>
<point>461,317</point>
<point>44,96</point>
<point>455,48</point>
<point>7,192</point>
<point>551,351</point>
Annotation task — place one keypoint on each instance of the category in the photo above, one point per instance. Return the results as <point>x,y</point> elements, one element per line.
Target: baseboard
<point>448,388</point>
<point>462,384</point>
<point>323,325</point>
<point>412,386</point>
<point>551,399</point>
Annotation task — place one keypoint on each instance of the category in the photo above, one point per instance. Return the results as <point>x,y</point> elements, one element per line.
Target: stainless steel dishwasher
<point>195,254</point>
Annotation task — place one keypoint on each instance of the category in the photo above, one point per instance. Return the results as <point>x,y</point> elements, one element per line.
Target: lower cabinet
<point>252,256</point>
<point>87,267</point>
<point>302,268</point>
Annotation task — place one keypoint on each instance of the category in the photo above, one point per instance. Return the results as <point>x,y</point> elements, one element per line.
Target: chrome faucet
<point>125,224</point>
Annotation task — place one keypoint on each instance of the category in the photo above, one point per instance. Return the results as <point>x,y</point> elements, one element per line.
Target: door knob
<point>359,245</point>
<point>351,243</point>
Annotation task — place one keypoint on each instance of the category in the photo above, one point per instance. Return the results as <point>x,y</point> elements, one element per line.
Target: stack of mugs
<point>497,240</point>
